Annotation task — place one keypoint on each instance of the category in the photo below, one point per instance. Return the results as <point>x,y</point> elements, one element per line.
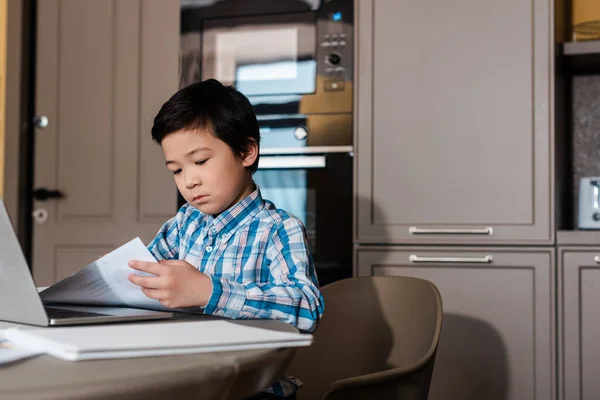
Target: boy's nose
<point>191,180</point>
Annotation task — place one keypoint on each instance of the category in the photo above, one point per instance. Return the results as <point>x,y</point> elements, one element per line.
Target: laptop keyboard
<point>61,313</point>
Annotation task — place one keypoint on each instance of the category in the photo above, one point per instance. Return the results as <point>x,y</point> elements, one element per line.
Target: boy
<point>227,250</point>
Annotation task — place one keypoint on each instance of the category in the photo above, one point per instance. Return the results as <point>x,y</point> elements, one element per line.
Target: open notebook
<point>151,339</point>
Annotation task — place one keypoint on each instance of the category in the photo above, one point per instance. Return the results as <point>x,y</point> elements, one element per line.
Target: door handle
<point>292,162</point>
<point>43,194</point>
<point>413,230</point>
<point>451,260</point>
<point>274,151</point>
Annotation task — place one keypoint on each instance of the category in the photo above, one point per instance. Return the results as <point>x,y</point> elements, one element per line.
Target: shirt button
<point>208,249</point>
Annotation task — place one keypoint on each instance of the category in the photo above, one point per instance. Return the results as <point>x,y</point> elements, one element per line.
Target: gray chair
<point>377,340</point>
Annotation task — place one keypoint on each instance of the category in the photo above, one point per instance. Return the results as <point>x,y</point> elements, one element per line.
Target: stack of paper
<point>151,339</point>
<point>10,353</point>
<point>105,282</point>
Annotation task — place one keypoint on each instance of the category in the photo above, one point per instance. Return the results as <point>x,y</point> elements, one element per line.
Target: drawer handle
<point>413,230</point>
<point>452,260</point>
<point>597,259</point>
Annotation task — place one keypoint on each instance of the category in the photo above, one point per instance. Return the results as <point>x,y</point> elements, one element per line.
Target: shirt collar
<point>237,214</point>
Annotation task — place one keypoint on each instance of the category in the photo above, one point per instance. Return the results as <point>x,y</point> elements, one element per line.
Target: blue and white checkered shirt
<point>258,259</point>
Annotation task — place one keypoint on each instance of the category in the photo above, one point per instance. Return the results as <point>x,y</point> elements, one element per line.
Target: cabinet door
<point>497,340</point>
<point>453,125</point>
<point>579,274</point>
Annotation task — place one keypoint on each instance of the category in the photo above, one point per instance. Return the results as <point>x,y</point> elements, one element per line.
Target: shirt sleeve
<point>291,293</point>
<point>165,245</point>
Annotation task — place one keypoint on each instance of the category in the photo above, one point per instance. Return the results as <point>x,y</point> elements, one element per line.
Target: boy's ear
<point>251,153</point>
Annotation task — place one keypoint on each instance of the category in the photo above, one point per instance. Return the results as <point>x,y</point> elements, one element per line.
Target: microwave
<point>287,56</point>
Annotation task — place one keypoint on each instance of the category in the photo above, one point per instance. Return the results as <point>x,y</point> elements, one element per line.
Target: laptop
<point>21,303</point>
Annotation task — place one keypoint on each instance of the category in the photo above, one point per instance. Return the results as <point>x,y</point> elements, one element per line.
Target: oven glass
<point>322,199</point>
<point>288,189</point>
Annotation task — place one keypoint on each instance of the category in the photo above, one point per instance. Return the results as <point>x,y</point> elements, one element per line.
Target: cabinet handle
<point>597,259</point>
<point>451,260</point>
<point>413,230</point>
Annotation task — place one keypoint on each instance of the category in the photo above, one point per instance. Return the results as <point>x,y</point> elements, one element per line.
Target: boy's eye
<point>201,162</point>
<point>177,171</point>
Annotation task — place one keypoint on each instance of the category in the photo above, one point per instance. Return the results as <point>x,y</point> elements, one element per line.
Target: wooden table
<point>223,375</point>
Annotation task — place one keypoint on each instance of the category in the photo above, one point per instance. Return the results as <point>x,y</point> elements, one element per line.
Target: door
<point>579,272</point>
<point>497,340</point>
<point>104,68</point>
<point>454,121</point>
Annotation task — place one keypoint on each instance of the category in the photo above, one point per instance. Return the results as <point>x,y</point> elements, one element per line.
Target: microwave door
<point>262,55</point>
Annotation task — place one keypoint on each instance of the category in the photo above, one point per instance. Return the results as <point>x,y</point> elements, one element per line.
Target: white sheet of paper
<point>104,282</point>
<point>11,353</point>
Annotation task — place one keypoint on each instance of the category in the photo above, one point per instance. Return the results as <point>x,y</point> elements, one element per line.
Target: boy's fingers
<point>147,282</point>
<point>151,267</point>
<point>153,293</point>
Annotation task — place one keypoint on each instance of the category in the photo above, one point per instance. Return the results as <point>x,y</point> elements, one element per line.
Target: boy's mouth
<point>198,198</point>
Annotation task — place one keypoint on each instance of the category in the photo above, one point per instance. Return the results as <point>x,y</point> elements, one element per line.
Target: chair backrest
<point>386,326</point>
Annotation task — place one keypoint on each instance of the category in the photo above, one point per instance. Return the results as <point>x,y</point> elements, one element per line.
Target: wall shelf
<point>582,56</point>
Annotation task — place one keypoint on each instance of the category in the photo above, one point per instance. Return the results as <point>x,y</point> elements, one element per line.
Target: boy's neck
<point>249,187</point>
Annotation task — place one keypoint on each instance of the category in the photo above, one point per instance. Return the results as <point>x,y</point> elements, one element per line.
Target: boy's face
<point>208,174</point>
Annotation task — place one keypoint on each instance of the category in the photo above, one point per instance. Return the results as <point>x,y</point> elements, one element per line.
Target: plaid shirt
<point>257,258</point>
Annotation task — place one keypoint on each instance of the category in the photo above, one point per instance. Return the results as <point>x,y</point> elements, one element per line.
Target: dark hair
<point>210,105</point>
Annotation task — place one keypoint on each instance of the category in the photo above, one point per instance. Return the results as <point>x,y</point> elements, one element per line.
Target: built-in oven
<point>305,167</point>
<point>293,60</point>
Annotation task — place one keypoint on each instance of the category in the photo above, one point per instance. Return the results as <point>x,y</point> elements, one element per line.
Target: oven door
<point>317,189</point>
<point>262,55</point>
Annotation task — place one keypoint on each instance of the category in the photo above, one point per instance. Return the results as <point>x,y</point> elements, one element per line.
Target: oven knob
<point>334,59</point>
<point>300,133</point>
<point>596,217</point>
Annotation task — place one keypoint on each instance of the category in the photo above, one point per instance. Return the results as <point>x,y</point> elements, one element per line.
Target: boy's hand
<point>176,284</point>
